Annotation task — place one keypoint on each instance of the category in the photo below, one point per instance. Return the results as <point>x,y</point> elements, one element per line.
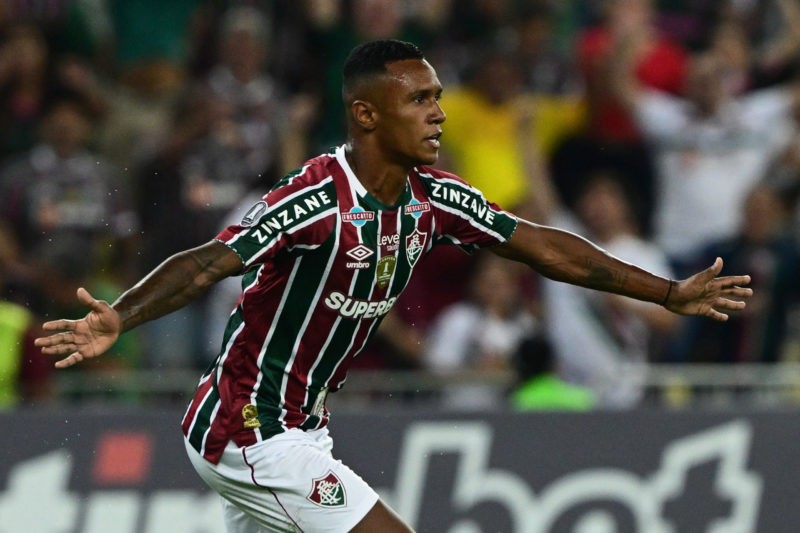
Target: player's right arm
<point>173,284</point>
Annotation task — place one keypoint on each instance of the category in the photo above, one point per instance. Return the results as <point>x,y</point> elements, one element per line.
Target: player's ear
<point>364,113</point>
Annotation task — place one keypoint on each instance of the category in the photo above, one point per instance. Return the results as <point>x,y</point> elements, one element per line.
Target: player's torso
<point>309,312</point>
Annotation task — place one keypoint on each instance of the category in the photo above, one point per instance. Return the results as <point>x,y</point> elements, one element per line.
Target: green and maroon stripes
<point>324,264</point>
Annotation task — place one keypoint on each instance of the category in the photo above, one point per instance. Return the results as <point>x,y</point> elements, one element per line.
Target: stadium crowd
<point>666,131</point>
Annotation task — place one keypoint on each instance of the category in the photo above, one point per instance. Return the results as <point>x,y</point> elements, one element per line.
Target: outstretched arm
<point>173,284</point>
<point>564,256</point>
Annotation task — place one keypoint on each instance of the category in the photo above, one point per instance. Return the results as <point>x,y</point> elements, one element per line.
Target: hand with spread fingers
<point>85,338</point>
<point>705,294</point>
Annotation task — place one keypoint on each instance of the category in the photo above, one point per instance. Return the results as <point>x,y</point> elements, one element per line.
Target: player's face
<point>411,117</point>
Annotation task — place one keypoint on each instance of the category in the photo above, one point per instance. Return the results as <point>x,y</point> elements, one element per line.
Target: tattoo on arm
<point>176,282</point>
<point>604,278</point>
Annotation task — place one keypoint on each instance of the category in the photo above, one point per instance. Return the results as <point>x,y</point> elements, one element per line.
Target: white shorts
<point>290,482</point>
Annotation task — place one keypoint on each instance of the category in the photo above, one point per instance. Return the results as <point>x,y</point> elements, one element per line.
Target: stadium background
<point>126,134</point>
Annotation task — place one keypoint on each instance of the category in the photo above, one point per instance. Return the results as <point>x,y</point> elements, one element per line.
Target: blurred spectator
<point>481,334</point>
<point>484,21</point>
<point>612,138</point>
<point>493,123</point>
<point>766,249</point>
<point>25,86</point>
<point>546,69</point>
<point>69,209</point>
<point>711,148</point>
<point>602,341</point>
<point>32,76</point>
<point>656,61</point>
<point>757,43</point>
<point>150,40</point>
<point>227,136</point>
<point>539,387</point>
<point>24,371</point>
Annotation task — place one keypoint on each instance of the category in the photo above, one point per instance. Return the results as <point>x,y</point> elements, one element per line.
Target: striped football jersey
<point>324,261</point>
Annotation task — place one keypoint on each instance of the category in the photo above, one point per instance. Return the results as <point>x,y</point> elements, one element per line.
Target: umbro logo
<point>360,252</point>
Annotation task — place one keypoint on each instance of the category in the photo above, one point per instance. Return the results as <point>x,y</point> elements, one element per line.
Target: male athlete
<point>324,257</point>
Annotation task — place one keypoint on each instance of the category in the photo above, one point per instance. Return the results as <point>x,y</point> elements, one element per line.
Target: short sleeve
<point>464,217</point>
<point>293,215</point>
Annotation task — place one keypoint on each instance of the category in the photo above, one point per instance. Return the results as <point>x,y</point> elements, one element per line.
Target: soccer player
<point>324,257</point>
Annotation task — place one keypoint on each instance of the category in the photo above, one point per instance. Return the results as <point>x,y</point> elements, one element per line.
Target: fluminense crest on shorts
<point>328,491</point>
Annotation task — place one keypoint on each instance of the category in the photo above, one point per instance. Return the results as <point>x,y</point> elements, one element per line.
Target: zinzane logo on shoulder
<point>254,213</point>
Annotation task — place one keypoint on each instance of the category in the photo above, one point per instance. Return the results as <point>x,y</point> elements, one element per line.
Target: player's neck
<point>383,180</point>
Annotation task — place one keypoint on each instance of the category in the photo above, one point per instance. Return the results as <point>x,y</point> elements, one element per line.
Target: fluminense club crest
<point>328,491</point>
<point>415,243</point>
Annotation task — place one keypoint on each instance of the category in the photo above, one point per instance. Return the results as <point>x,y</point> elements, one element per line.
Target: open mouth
<point>434,139</point>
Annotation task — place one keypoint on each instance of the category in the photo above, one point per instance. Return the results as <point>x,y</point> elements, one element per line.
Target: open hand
<point>705,294</point>
<point>80,339</point>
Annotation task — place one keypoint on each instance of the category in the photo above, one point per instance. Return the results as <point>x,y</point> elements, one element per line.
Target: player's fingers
<point>59,349</point>
<point>66,337</point>
<point>709,275</point>
<point>737,292</point>
<point>714,270</point>
<point>733,281</point>
<point>72,359</point>
<point>88,300</point>
<point>51,340</point>
<point>55,325</point>
<point>716,314</point>
<point>728,304</point>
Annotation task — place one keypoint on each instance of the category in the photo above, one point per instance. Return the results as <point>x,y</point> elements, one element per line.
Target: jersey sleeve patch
<point>254,213</point>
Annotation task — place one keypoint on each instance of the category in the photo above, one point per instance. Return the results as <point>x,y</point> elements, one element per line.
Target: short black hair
<point>370,58</point>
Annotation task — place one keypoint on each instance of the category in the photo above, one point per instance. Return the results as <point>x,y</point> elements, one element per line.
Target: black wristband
<point>669,291</point>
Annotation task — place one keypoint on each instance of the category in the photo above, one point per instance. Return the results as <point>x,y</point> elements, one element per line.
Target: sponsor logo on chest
<point>415,208</point>
<point>355,308</point>
<point>358,216</point>
<point>389,243</point>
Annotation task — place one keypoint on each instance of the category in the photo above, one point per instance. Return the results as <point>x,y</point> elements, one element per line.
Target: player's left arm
<point>567,257</point>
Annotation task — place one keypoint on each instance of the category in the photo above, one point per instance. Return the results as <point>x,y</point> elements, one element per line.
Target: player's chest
<point>384,240</point>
